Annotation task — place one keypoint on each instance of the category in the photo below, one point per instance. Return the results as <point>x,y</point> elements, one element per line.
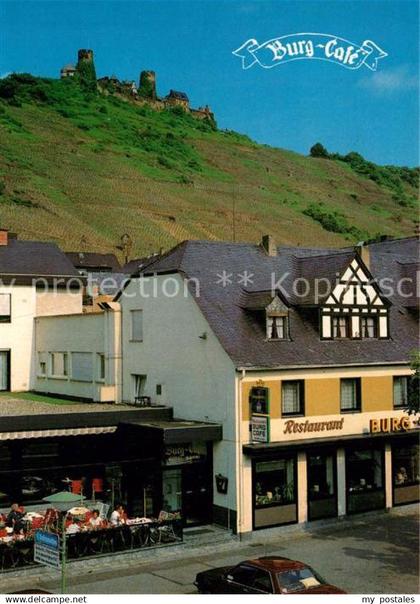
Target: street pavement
<point>372,554</point>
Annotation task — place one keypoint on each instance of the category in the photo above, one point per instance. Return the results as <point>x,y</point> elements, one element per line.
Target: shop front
<point>365,480</point>
<point>274,491</point>
<point>405,471</point>
<point>180,478</point>
<point>318,478</point>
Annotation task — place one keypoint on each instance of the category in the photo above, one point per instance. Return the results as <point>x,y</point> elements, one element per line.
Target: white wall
<point>197,376</point>
<point>17,336</point>
<point>72,333</point>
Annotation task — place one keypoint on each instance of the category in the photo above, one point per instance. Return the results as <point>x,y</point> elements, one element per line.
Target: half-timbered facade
<point>356,307</point>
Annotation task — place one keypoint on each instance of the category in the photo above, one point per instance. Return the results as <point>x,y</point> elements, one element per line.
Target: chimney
<point>4,237</point>
<point>364,253</point>
<point>269,245</point>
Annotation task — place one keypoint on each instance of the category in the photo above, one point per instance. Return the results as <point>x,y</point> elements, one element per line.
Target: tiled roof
<point>241,332</point>
<point>34,258</point>
<point>138,264</point>
<point>94,261</point>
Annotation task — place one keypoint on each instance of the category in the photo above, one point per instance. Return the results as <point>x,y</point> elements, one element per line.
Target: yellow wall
<point>377,393</point>
<point>322,396</point>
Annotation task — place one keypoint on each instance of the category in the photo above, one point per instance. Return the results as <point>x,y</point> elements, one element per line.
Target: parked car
<point>269,574</point>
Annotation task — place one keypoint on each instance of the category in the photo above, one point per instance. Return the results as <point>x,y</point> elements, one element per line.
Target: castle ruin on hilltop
<point>144,93</point>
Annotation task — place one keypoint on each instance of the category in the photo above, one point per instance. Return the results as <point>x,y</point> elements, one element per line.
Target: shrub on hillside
<point>332,221</point>
<point>319,150</point>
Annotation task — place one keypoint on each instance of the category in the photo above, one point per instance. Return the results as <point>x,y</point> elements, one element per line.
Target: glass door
<point>4,369</point>
<point>196,495</point>
<point>322,498</point>
<point>172,490</point>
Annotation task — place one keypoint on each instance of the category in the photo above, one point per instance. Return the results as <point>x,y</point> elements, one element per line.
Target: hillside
<point>80,167</point>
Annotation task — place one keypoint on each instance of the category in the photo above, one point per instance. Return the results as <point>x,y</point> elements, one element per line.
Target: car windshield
<point>298,580</point>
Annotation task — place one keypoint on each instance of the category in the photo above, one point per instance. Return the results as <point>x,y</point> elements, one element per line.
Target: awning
<point>58,432</point>
<point>176,431</point>
<point>260,449</point>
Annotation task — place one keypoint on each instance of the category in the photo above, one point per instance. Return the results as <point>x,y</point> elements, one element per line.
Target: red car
<point>269,575</point>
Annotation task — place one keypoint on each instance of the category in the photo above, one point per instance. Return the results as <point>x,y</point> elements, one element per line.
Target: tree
<point>414,384</point>
<point>319,150</point>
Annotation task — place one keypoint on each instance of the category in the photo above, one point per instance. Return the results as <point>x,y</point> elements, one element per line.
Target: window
<point>5,306</point>
<point>401,391</point>
<point>405,472</point>
<point>82,366</point>
<point>59,364</point>
<point>292,398</point>
<point>298,580</point>
<point>42,364</point>
<point>369,327</point>
<point>364,470</point>
<point>262,581</point>
<point>276,328</point>
<point>101,367</point>
<point>136,325</point>
<point>259,400</point>
<point>275,482</point>
<point>244,575</point>
<point>340,327</point>
<point>350,394</point>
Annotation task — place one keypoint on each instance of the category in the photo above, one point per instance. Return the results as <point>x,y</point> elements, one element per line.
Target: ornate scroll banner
<point>324,47</point>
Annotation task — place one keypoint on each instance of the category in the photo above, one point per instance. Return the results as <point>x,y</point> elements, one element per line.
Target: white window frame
<point>281,324</point>
<point>135,337</point>
<point>82,377</point>
<point>398,379</point>
<point>64,363</point>
<point>42,360</point>
<point>7,301</point>
<point>100,364</point>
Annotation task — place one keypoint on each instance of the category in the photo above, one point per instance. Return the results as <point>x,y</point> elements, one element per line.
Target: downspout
<point>239,455</point>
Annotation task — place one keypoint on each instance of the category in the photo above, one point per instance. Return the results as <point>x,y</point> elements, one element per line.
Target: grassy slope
<point>95,168</point>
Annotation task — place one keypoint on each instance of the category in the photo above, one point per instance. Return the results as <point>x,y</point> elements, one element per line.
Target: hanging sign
<point>260,429</point>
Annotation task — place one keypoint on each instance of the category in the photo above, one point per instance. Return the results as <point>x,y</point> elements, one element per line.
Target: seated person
<point>118,516</point>
<point>72,528</point>
<point>14,518</point>
<point>95,521</point>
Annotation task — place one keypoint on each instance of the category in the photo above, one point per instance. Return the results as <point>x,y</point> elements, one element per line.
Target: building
<point>36,279</point>
<point>276,378</point>
<point>93,262</point>
<point>177,99</point>
<point>68,71</point>
<point>114,453</point>
<point>309,384</point>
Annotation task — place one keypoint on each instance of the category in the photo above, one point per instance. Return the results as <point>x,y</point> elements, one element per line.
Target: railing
<point>20,553</point>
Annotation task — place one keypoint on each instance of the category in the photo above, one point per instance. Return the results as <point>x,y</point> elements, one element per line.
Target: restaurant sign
<point>47,549</point>
<point>181,454</point>
<point>260,429</point>
<point>390,424</point>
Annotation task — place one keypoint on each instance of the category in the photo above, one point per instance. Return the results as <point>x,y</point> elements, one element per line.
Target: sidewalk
<point>209,545</point>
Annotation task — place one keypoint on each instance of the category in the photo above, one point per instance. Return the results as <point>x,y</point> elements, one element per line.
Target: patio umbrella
<point>64,500</point>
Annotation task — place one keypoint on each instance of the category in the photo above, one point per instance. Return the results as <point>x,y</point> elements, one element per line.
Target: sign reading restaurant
<point>291,426</point>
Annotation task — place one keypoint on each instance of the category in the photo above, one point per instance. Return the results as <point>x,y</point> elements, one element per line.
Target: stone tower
<point>147,85</point>
<point>84,55</point>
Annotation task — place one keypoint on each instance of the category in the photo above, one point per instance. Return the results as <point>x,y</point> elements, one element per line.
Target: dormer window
<point>369,327</point>
<point>276,327</point>
<point>340,327</point>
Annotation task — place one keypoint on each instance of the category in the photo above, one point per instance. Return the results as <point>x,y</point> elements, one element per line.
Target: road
<point>373,555</point>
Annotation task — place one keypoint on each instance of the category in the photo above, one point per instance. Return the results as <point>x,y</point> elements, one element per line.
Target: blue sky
<point>189,44</point>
